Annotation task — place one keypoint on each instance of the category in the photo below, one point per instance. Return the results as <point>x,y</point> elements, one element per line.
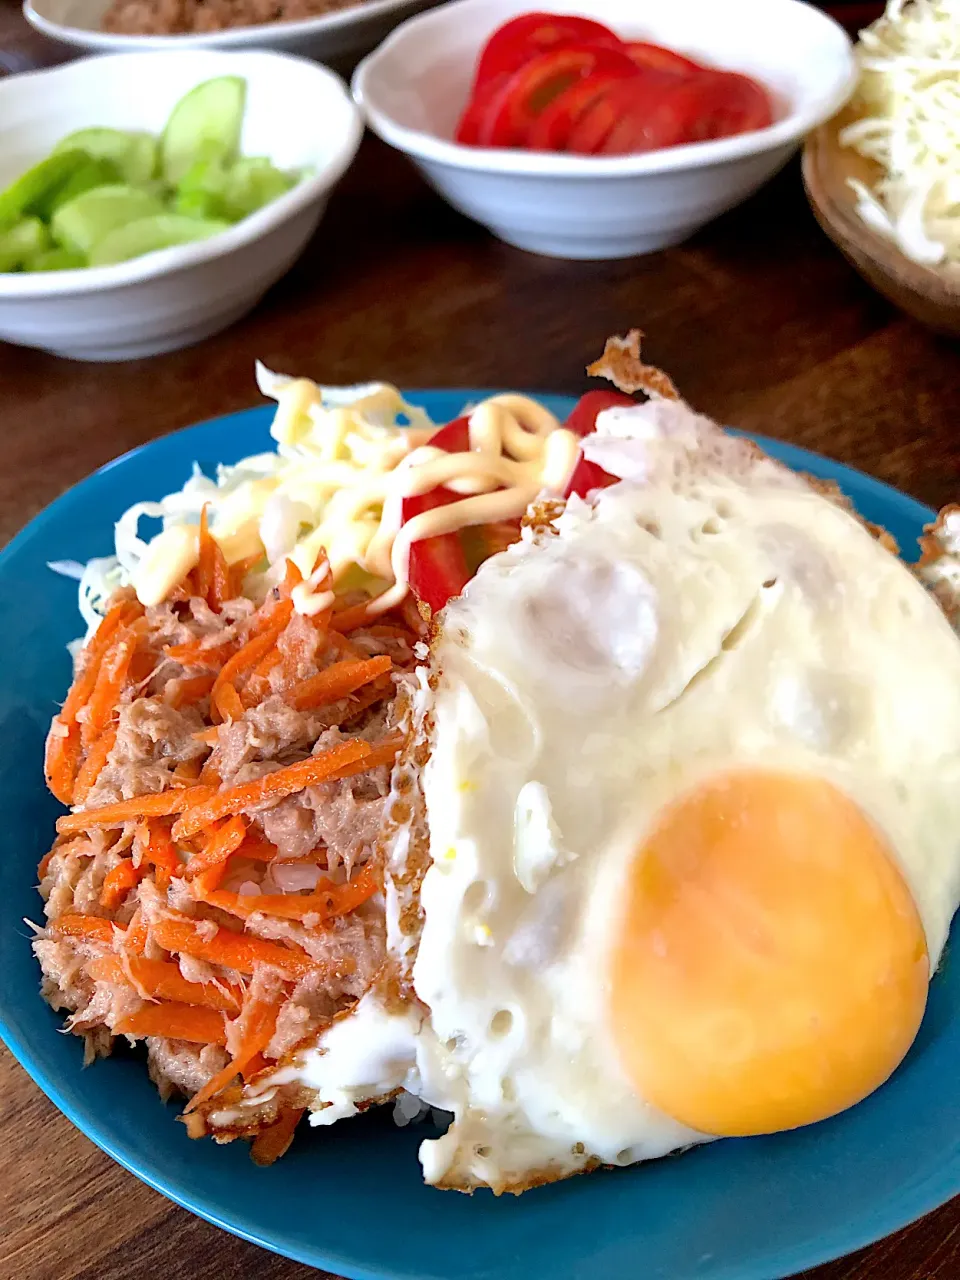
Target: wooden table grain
<point>758,320</point>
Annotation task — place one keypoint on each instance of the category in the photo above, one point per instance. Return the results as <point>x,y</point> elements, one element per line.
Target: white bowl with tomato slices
<point>607,128</point>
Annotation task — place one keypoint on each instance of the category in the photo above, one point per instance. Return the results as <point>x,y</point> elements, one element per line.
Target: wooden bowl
<point>929,294</point>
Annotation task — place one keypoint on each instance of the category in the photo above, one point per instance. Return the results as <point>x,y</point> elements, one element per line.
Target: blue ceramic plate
<point>350,1199</point>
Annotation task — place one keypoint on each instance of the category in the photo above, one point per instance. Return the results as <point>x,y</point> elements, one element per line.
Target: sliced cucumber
<point>55,260</point>
<point>201,190</point>
<point>204,125</point>
<point>85,221</point>
<point>28,193</point>
<point>21,242</point>
<point>252,183</point>
<point>134,153</point>
<point>95,173</point>
<point>146,235</point>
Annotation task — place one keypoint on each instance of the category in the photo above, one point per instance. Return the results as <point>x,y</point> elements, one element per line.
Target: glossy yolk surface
<point>771,968</point>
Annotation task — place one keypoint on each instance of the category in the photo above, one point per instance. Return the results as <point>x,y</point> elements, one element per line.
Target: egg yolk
<point>770,968</point>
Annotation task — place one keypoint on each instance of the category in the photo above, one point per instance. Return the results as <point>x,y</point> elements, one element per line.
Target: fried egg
<point>690,805</point>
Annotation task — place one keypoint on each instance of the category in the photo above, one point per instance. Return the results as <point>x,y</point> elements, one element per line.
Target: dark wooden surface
<point>759,321</point>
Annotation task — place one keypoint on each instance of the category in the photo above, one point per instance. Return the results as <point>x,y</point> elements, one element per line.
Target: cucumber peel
<point>133,152</point>
<point>204,125</point>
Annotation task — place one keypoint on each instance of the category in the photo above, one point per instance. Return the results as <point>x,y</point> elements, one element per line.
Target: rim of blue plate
<point>927,1190</point>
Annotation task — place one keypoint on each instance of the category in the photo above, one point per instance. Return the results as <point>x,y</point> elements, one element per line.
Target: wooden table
<point>758,320</point>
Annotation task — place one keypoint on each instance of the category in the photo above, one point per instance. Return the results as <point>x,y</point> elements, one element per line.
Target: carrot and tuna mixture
<point>215,890</point>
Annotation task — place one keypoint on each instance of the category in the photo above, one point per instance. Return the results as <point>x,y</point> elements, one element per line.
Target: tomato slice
<point>468,127</point>
<point>635,100</point>
<point>727,104</point>
<point>552,128</point>
<point>531,90</point>
<point>521,39</point>
<point>654,57</point>
<point>438,567</point>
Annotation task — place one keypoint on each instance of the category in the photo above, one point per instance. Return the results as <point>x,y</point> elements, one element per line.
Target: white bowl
<point>413,88</point>
<point>339,37</point>
<point>298,113</point>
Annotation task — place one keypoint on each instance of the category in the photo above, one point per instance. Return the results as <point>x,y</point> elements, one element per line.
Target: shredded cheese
<point>344,463</point>
<point>909,102</point>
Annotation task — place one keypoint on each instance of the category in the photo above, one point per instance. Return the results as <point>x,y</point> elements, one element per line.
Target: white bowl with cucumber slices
<point>149,200</point>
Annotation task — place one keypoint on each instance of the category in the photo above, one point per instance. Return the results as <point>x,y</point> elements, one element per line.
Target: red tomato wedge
<point>654,57</point>
<point>528,93</point>
<point>552,128</point>
<point>521,39</point>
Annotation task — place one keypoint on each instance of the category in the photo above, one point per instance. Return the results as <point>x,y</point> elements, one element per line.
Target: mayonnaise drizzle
<point>342,471</point>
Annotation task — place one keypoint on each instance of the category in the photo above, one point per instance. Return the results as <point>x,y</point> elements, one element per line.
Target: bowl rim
<point>231,37</point>
<point>545,164</point>
<point>39,286</point>
<point>846,227</point>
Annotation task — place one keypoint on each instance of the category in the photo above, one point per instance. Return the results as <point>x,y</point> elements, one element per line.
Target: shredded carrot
<point>327,901</point>
<point>350,619</point>
<point>174,1021</point>
<point>119,616</point>
<point>292,577</point>
<point>210,736</point>
<point>190,690</point>
<point>142,666</point>
<point>188,771</point>
<point>74,925</point>
<point>156,849</point>
<point>231,950</point>
<point>106,694</point>
<point>226,840</point>
<point>272,660</point>
<point>205,558</point>
<point>258,849</point>
<point>220,587</point>
<point>273,786</point>
<point>256,1064</point>
<point>195,653</point>
<point>156,805</point>
<point>62,759</point>
<point>261,1022</point>
<point>337,682</point>
<point>274,1141</point>
<point>210,775</point>
<point>227,702</point>
<point>238,573</point>
<point>162,980</point>
<point>94,763</point>
<point>117,883</point>
<point>383,753</point>
<point>252,652</point>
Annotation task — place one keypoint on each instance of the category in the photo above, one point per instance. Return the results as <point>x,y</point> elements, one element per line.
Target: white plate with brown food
<point>335,31</point>
<point>559,789</point>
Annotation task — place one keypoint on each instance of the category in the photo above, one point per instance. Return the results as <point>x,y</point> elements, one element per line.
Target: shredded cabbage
<point>909,101</point>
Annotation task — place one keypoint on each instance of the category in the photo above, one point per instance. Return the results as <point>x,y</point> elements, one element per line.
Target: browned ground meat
<point>106,954</point>
<point>173,17</point>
